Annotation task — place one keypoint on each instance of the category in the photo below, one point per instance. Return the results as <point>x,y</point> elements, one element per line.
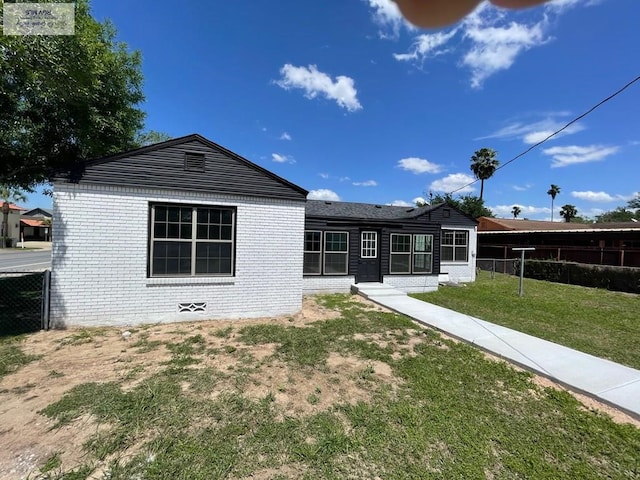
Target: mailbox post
<point>522,250</point>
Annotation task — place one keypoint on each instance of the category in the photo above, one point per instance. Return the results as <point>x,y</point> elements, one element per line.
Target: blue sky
<point>347,100</point>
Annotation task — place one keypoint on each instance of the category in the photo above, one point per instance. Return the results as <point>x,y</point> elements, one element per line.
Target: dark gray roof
<point>364,211</point>
<point>38,210</point>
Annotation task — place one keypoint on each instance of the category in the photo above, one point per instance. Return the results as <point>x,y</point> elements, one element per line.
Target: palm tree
<point>553,191</point>
<point>516,210</point>
<point>8,195</point>
<point>483,165</point>
<point>568,212</point>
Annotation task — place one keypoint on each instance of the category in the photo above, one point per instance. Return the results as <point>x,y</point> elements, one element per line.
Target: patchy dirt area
<point>72,357</point>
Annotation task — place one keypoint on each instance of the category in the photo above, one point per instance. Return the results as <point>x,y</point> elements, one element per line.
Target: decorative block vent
<point>192,307</point>
<point>194,162</point>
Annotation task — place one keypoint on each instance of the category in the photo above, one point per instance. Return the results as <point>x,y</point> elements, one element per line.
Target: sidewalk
<point>601,379</point>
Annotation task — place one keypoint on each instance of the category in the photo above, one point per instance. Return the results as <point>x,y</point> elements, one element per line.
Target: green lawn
<point>442,410</point>
<point>595,321</point>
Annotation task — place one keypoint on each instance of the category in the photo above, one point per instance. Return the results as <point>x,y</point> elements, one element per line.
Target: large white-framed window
<point>400,253</point>
<point>455,246</point>
<point>336,253</point>
<point>189,240</point>
<point>369,245</point>
<point>312,252</point>
<point>326,253</point>
<point>411,253</point>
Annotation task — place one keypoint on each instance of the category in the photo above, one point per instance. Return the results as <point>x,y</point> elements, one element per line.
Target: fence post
<point>46,287</point>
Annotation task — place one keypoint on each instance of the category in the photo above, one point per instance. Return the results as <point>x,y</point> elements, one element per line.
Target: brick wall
<point>413,283</point>
<point>462,271</point>
<point>100,258</point>
<point>321,284</point>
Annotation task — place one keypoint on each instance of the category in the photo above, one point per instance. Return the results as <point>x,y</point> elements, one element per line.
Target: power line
<point>580,117</point>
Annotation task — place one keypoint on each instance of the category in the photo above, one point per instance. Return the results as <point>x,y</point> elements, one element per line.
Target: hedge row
<point>620,279</point>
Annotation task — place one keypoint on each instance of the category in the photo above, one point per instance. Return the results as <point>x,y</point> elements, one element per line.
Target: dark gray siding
<point>415,225</point>
<point>162,166</point>
<point>446,215</point>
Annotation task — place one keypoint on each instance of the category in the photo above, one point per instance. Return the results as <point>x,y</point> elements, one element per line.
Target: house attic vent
<point>194,162</point>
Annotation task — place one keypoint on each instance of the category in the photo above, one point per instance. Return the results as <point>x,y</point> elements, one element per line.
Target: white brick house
<point>181,230</point>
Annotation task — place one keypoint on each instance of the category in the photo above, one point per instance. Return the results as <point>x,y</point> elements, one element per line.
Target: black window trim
<point>323,252</point>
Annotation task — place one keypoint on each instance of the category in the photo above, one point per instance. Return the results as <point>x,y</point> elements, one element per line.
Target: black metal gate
<point>24,302</point>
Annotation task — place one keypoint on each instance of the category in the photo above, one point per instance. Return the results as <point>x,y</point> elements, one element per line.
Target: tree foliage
<point>553,191</point>
<point>468,204</point>
<point>620,214</point>
<point>515,211</point>
<point>66,98</point>
<point>483,165</point>
<point>568,212</point>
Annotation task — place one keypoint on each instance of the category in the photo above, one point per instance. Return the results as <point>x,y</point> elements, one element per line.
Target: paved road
<point>29,260</point>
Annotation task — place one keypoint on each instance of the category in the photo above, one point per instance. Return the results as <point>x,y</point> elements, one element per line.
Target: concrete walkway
<point>601,379</point>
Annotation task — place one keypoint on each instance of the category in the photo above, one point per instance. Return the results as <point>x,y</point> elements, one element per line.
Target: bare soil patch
<point>77,356</point>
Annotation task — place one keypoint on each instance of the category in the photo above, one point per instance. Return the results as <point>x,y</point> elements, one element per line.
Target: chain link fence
<point>24,302</point>
<point>499,265</point>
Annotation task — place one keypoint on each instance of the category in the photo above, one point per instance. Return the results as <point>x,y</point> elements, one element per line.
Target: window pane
<point>335,241</point>
<point>312,263</point>
<point>447,254</point>
<point>173,214</point>
<point>461,254</point>
<point>422,263</point>
<point>312,241</point>
<point>171,258</point>
<point>227,217</point>
<point>185,215</point>
<point>335,263</point>
<point>447,237</point>
<point>160,230</point>
<point>203,232</point>
<point>461,238</point>
<point>213,258</point>
<point>400,243</point>
<point>422,243</point>
<point>400,263</point>
<point>185,231</point>
<point>173,230</point>
<point>225,233</point>
<point>161,213</point>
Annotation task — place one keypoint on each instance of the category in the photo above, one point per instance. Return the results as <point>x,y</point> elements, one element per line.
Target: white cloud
<point>324,175</point>
<point>458,182</point>
<point>488,40</point>
<point>279,158</point>
<point>422,201</point>
<point>315,82</point>
<point>534,132</point>
<point>590,196</point>
<point>427,45</point>
<point>401,203</point>
<point>522,188</point>
<point>344,179</point>
<point>526,211</point>
<point>285,136</point>
<point>368,183</point>
<point>386,14</point>
<point>495,47</point>
<point>323,194</point>
<point>574,154</point>
<point>419,165</point>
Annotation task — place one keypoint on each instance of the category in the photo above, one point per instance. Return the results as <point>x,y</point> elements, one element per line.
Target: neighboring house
<point>410,248</point>
<point>594,243</point>
<point>180,230</point>
<point>35,224</point>
<point>13,223</point>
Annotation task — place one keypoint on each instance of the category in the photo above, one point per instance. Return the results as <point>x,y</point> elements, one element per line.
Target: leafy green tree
<point>8,195</point>
<point>553,191</point>
<point>515,211</point>
<point>483,165</point>
<point>620,214</point>
<point>150,137</point>
<point>568,212</point>
<point>66,98</point>
<point>634,203</point>
<point>468,204</point>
